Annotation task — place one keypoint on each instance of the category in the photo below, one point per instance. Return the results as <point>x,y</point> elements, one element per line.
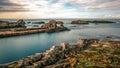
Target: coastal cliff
<point>84,54</point>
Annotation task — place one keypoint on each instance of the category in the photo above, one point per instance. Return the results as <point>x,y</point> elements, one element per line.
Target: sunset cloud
<point>59,8</point>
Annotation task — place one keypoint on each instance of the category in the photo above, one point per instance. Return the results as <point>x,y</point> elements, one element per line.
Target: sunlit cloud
<point>59,8</point>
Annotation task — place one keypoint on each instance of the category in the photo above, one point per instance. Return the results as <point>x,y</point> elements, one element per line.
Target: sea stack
<point>52,26</point>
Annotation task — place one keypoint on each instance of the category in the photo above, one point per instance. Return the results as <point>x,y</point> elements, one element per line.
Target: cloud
<point>60,8</point>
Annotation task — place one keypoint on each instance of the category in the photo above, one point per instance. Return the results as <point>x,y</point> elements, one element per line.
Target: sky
<point>40,9</point>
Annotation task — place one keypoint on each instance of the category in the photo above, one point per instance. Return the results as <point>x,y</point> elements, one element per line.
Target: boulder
<point>79,22</point>
<point>46,25</point>
<point>21,23</point>
<point>53,23</point>
<point>64,46</point>
<point>61,23</point>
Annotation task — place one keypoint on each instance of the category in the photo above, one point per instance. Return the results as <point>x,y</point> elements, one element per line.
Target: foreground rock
<point>72,56</point>
<point>79,22</point>
<point>53,58</point>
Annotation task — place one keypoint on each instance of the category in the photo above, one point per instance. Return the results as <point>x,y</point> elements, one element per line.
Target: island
<point>85,53</point>
<point>98,21</point>
<point>8,29</point>
<point>82,22</point>
<point>38,22</point>
<point>79,22</point>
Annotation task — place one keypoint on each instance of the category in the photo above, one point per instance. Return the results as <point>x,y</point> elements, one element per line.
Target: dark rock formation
<point>52,26</point>
<point>38,22</point>
<point>61,23</point>
<point>79,22</point>
<point>98,21</point>
<point>28,22</point>
<point>6,24</point>
<point>21,23</point>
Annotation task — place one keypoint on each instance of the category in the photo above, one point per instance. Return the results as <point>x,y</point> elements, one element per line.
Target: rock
<point>38,22</point>
<point>45,26</point>
<point>64,46</point>
<point>21,23</point>
<point>53,23</point>
<point>79,22</point>
<point>4,24</point>
<point>52,26</point>
<point>86,41</point>
<point>61,23</point>
<point>28,22</point>
<point>100,21</point>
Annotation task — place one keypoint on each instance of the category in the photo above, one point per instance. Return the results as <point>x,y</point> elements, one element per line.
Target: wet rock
<point>61,23</point>
<point>79,22</point>
<point>21,23</point>
<point>4,24</point>
<point>52,27</point>
<point>38,22</point>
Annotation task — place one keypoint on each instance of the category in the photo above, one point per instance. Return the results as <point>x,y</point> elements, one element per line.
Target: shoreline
<point>49,27</point>
<point>58,56</point>
<point>27,31</point>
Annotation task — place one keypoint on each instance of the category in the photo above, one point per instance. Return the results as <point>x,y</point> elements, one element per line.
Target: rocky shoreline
<point>47,27</point>
<point>62,56</point>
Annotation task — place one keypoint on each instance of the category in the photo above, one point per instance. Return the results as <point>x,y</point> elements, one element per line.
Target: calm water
<point>15,48</point>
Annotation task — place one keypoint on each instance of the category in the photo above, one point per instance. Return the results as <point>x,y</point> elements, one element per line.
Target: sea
<point>18,47</point>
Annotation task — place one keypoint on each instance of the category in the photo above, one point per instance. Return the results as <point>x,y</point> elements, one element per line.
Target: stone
<point>79,22</point>
<point>38,22</point>
<point>61,23</point>
<point>21,23</point>
<point>4,24</point>
<point>64,46</point>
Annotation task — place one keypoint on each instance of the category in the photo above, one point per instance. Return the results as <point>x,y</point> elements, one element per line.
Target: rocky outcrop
<point>61,23</point>
<point>47,27</point>
<point>100,21</point>
<point>52,26</point>
<point>21,23</point>
<point>53,58</point>
<point>56,57</point>
<point>19,31</point>
<point>5,24</point>
<point>38,22</point>
<point>79,22</point>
